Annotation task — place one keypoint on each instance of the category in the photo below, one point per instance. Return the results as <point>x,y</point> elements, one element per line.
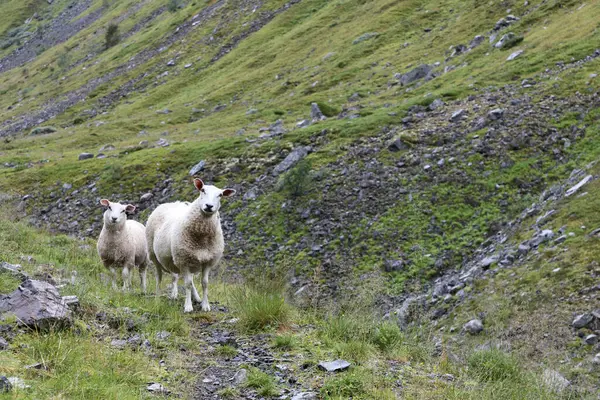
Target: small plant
<point>355,351</point>
<point>227,351</point>
<point>284,342</point>
<point>351,384</point>
<point>262,382</point>
<point>388,337</point>
<point>494,365</point>
<point>228,393</point>
<point>63,61</point>
<point>112,172</point>
<point>298,181</point>
<point>261,308</point>
<point>112,36</point>
<point>173,5</point>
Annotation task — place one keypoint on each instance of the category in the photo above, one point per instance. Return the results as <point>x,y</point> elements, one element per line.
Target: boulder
<point>514,55</point>
<point>555,381</point>
<point>85,156</point>
<point>334,366</point>
<point>315,113</point>
<point>197,168</point>
<point>415,74</point>
<point>473,327</point>
<point>292,159</point>
<point>38,305</point>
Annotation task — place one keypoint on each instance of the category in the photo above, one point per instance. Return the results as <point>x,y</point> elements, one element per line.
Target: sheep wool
<point>186,238</point>
<point>122,244</point>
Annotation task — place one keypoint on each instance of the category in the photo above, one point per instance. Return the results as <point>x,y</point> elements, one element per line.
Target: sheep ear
<point>198,183</point>
<point>129,209</point>
<point>228,192</point>
<point>105,202</point>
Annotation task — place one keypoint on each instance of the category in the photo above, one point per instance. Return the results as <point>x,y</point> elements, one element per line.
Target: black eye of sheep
<point>122,211</point>
<point>109,208</point>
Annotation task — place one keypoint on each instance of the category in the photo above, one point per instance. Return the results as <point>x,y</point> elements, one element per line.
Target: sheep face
<point>116,214</point>
<point>210,197</point>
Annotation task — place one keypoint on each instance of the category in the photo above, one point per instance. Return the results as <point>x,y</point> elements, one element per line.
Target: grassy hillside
<point>402,185</point>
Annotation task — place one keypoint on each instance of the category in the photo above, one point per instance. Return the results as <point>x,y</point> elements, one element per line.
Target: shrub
<point>494,365</point>
<point>261,308</point>
<point>284,342</point>
<point>351,384</point>
<point>262,382</point>
<point>298,181</point>
<point>356,351</point>
<point>173,5</point>
<point>226,351</point>
<point>388,337</point>
<point>327,110</point>
<point>112,36</point>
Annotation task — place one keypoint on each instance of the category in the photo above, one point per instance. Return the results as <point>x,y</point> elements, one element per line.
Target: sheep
<point>186,238</point>
<point>122,244</point>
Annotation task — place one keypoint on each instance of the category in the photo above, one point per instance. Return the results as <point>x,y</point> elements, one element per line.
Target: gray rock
<point>583,320</point>
<point>417,73</point>
<point>437,103</point>
<point>5,385</point>
<point>505,22</point>
<point>162,142</point>
<point>496,114</point>
<point>250,194</point>
<point>457,115</point>
<point>163,335</point>
<point>333,366</point>
<point>354,98</point>
<point>514,55</point>
<point>305,396</point>
<point>575,188</point>
<point>157,388</point>
<point>365,36</point>
<point>197,168</point>
<point>171,63</point>
<point>328,56</point>
<point>240,377</point>
<point>17,383</point>
<point>397,145</point>
<point>488,261</point>
<point>393,265</point>
<point>38,305</point>
<point>107,147</point>
<point>303,124</point>
<point>3,344</point>
<point>118,343</point>
<point>277,128</point>
<point>165,111</point>
<point>560,239</point>
<point>555,381</point>
<point>473,327</point>
<point>505,40</point>
<point>292,159</point>
<point>523,248</point>
<point>315,113</point>
<point>85,156</point>
<point>146,196</point>
<point>591,339</point>
<point>477,40</point>
<point>596,359</point>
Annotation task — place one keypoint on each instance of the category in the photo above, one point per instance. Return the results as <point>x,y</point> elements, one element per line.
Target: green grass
<point>263,383</point>
<point>261,308</point>
<point>494,365</point>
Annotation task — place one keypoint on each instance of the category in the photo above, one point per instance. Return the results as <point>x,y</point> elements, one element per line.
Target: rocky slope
<point>381,150</point>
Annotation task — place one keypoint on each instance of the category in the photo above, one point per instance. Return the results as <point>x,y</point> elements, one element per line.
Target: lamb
<point>186,238</point>
<point>122,244</point>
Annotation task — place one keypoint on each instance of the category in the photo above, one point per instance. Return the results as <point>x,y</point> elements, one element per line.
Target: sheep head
<point>116,214</point>
<point>210,197</point>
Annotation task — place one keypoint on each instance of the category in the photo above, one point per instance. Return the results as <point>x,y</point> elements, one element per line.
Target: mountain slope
<point>435,139</point>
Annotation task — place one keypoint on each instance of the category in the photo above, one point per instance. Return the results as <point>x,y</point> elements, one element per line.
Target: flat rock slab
<point>38,305</point>
<point>334,366</point>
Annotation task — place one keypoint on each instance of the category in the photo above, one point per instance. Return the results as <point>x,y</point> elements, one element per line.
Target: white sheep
<point>122,244</point>
<point>186,238</point>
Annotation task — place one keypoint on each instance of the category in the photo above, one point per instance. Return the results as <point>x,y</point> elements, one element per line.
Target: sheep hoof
<point>188,309</point>
<point>205,307</point>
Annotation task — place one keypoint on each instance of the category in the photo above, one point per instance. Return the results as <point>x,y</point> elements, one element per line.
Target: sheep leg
<point>143,277</point>
<point>174,289</point>
<point>195,295</point>
<point>126,278</point>
<point>158,280</point>
<point>205,304</point>
<point>188,282</point>
<point>113,273</point>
